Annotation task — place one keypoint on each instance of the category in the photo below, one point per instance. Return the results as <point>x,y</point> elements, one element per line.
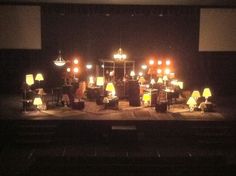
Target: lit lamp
<point>132,74</point>
<point>89,66</point>
<point>167,71</point>
<point>37,102</point>
<point>91,80</point>
<point>120,55</point>
<point>144,67</point>
<point>206,93</point>
<point>165,78</point>
<point>196,94</point>
<point>110,88</point>
<point>140,73</point>
<point>174,82</point>
<point>141,80</point>
<point>59,61</point>
<point>167,62</point>
<point>100,81</point>
<point>39,77</point>
<point>160,81</point>
<point>29,79</point>
<point>76,70</point>
<point>159,71</point>
<point>152,81</point>
<point>76,61</point>
<point>151,61</point>
<point>159,62</point>
<point>146,99</point>
<point>68,69</point>
<point>191,103</point>
<point>180,84</point>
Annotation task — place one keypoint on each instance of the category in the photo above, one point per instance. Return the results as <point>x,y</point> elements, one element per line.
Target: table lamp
<point>100,81</point>
<point>110,88</point>
<point>206,93</point>
<point>191,103</point>
<point>37,102</point>
<point>196,94</point>
<point>29,79</point>
<point>146,98</point>
<point>39,77</point>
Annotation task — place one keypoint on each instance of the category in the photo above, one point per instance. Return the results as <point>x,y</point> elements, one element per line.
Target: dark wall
<point>94,32</point>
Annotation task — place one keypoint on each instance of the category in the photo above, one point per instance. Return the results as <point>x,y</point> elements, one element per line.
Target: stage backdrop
<point>20,27</point>
<point>217,29</point>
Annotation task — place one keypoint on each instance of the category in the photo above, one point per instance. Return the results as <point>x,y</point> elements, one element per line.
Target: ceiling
<point>135,2</point>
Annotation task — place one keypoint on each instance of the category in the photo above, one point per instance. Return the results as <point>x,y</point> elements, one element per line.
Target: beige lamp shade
<point>100,81</point>
<point>174,82</point>
<point>37,101</point>
<point>160,80</point>
<point>29,79</point>
<point>39,77</point>
<point>191,102</point>
<point>165,78</point>
<point>110,88</point>
<point>180,84</point>
<point>206,93</point>
<point>196,94</point>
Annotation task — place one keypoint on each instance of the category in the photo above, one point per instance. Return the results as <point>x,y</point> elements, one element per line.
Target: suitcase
<point>78,105</point>
<point>161,107</point>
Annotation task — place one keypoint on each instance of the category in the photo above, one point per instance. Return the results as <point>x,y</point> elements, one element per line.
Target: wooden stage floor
<point>12,109</point>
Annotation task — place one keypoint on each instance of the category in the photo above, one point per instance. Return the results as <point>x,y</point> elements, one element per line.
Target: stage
<point>11,108</point>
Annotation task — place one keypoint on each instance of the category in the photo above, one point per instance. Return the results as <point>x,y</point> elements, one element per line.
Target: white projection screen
<point>217,30</point>
<point>20,27</point>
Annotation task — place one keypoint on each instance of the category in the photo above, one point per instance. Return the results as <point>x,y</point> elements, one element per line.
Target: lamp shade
<point>180,84</point>
<point>110,88</point>
<point>196,94</point>
<point>146,97</point>
<point>165,78</point>
<point>39,77</point>
<point>132,73</point>
<point>160,80</point>
<point>91,80</point>
<point>174,82</point>
<point>206,93</point>
<point>37,101</point>
<point>29,79</point>
<point>152,81</point>
<point>100,81</point>
<point>191,102</point>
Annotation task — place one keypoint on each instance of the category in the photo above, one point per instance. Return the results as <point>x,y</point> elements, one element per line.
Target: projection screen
<point>20,27</point>
<point>217,29</point>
